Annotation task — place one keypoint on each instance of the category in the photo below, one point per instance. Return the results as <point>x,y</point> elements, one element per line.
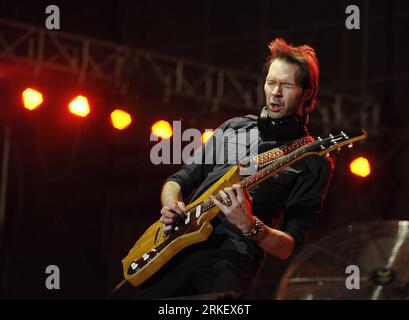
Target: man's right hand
<point>170,212</point>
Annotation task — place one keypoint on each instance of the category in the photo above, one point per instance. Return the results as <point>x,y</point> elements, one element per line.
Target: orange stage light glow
<point>206,135</point>
<point>360,167</point>
<point>120,119</point>
<point>32,98</point>
<point>162,129</point>
<point>79,106</point>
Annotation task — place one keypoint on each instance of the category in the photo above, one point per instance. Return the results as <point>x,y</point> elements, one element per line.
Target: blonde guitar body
<point>155,247</point>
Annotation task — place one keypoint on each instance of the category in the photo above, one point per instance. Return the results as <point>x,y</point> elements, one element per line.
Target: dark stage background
<point>80,193</point>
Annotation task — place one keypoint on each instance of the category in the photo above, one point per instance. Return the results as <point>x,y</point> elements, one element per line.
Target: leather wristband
<point>257,230</point>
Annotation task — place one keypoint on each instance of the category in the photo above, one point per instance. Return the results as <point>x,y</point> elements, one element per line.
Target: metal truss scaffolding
<point>213,86</point>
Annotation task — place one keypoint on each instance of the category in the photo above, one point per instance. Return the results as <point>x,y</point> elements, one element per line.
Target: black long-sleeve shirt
<point>289,201</point>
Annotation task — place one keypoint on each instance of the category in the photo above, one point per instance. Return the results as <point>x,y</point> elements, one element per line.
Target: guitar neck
<point>275,159</point>
<point>272,155</point>
<point>278,165</point>
<point>282,157</point>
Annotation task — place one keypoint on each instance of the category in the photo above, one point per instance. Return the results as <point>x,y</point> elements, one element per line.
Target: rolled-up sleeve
<point>307,196</point>
<point>191,175</point>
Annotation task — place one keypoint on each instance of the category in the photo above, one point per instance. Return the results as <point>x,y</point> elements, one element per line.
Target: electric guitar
<point>156,247</point>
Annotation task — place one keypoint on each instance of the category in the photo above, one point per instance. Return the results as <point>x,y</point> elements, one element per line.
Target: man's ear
<point>308,93</point>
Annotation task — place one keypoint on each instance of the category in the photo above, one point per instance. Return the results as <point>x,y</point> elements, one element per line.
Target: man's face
<point>284,94</point>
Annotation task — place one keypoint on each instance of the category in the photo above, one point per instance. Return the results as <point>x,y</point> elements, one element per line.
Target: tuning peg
<point>350,145</point>
<point>331,136</point>
<point>338,150</point>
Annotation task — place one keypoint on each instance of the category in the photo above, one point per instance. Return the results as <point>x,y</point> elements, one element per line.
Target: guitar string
<point>280,161</point>
<point>265,171</point>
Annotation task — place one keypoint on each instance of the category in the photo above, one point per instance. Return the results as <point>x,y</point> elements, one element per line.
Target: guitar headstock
<point>330,143</point>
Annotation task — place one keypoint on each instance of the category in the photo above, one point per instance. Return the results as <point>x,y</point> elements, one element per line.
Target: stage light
<point>206,135</point>
<point>360,167</point>
<point>32,98</point>
<point>79,106</point>
<point>120,119</point>
<point>162,129</point>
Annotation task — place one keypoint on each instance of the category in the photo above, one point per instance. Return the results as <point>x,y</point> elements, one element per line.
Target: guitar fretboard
<point>272,155</point>
<point>273,159</point>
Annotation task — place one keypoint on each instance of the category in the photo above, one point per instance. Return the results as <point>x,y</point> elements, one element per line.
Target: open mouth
<point>275,107</point>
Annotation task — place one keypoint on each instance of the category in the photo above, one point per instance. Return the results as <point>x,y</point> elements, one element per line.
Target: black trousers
<point>197,270</point>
